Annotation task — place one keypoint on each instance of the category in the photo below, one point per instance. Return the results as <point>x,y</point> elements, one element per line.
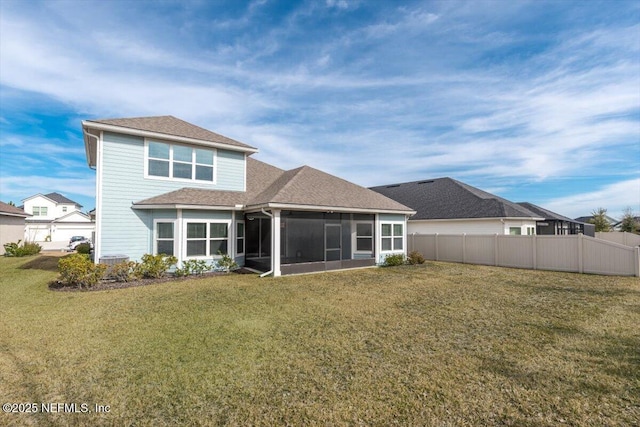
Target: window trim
<point>208,237</point>
<point>155,234</point>
<point>244,238</point>
<point>392,237</point>
<point>40,212</point>
<point>194,163</point>
<point>354,242</point>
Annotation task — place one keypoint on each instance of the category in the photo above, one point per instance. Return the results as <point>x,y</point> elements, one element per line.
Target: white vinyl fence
<point>624,238</point>
<point>575,253</point>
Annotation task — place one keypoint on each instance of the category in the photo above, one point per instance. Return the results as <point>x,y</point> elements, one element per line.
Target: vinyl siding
<point>128,231</point>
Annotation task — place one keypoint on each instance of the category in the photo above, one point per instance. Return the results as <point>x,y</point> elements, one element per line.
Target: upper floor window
<point>64,209</point>
<point>40,211</point>
<point>180,162</point>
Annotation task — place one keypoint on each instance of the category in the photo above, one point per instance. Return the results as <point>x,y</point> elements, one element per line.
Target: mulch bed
<point>104,285</point>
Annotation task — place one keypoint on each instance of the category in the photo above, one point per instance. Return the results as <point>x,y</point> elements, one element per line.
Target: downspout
<point>91,136</point>
<point>270,271</point>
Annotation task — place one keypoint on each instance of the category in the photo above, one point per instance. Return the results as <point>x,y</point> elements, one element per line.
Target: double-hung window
<point>364,237</point>
<point>240,238</point>
<point>40,211</point>
<point>207,238</point>
<point>164,242</point>
<point>392,237</point>
<point>180,162</point>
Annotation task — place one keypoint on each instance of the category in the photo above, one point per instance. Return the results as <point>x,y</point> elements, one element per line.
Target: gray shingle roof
<point>304,187</point>
<point>446,198</point>
<point>307,186</point>
<point>545,213</point>
<point>171,126</point>
<point>6,208</point>
<point>259,176</point>
<point>59,198</point>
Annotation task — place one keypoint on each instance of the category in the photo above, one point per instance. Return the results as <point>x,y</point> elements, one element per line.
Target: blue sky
<point>531,100</point>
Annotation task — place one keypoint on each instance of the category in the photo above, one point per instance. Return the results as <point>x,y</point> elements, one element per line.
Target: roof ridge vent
<point>426,182</point>
<point>393,185</point>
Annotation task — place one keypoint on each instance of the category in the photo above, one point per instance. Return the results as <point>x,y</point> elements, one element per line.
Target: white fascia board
<point>40,195</point>
<point>190,207</point>
<point>25,215</point>
<point>316,208</point>
<point>505,218</point>
<point>165,137</point>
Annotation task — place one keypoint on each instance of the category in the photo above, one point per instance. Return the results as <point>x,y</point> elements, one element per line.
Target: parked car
<point>77,240</point>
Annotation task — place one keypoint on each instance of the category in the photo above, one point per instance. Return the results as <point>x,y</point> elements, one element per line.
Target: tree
<point>629,222</point>
<point>599,219</point>
<point>11,203</point>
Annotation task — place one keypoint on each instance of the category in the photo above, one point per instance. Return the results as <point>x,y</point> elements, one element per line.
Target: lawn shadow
<point>44,262</point>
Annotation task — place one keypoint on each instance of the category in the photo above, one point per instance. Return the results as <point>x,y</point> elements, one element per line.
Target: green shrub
<point>393,260</point>
<point>78,270</point>
<point>154,266</point>
<point>83,248</point>
<point>415,257</point>
<point>122,271</point>
<point>17,250</point>
<point>226,263</point>
<point>193,266</point>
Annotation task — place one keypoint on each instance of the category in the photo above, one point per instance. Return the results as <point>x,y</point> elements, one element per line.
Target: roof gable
<point>268,185</point>
<point>171,127</point>
<point>447,198</point>
<point>56,198</point>
<point>306,186</point>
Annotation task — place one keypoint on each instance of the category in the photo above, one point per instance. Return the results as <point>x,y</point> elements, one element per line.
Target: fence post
<point>636,264</point>
<point>580,253</point>
<point>437,258</point>
<point>495,249</point>
<point>464,248</point>
<point>534,242</point>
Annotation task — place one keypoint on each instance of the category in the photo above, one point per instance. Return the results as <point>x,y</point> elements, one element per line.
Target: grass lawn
<point>440,344</point>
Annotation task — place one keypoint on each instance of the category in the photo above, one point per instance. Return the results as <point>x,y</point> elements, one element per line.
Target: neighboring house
<point>556,224</point>
<point>447,206</point>
<point>11,224</point>
<point>167,186</point>
<point>55,218</point>
<point>589,220</point>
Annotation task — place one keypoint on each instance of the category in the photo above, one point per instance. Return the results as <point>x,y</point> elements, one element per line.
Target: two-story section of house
<point>55,218</point>
<point>167,186</point>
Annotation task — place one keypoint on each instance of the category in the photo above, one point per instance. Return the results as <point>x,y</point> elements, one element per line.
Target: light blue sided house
<point>166,186</point>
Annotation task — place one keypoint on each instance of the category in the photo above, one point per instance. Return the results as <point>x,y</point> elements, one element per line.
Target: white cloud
<point>613,197</point>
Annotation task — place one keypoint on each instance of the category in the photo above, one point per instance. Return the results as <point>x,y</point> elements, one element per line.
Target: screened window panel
<point>182,170</point>
<point>204,173</point>
<point>364,244</point>
<point>196,247</point>
<point>386,244</point>
<point>217,230</point>
<point>158,168</point>
<point>165,230</point>
<point>165,247</point>
<point>196,230</point>
<point>240,246</point>
<point>216,246</point>
<point>397,229</point>
<point>363,230</point>
<point>204,157</point>
<point>240,230</point>
<point>158,150</point>
<point>386,229</point>
<point>397,243</point>
<point>182,154</point>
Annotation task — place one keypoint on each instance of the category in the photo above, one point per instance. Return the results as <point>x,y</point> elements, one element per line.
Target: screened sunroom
<point>311,241</point>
